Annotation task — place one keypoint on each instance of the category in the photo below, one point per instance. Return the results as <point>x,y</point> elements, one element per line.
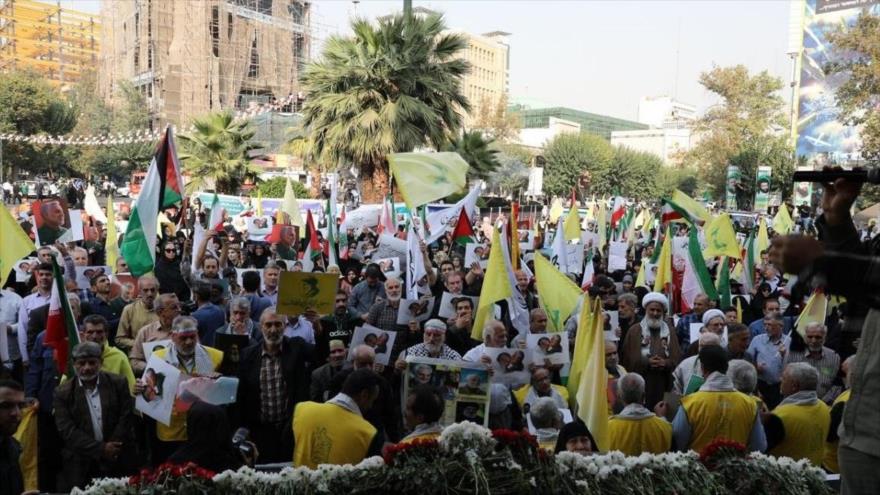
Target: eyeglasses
<point>171,250</point>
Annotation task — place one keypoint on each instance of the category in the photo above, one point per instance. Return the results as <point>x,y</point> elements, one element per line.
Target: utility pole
<point>407,8</point>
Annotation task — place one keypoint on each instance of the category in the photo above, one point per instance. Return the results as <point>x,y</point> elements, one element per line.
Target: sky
<point>601,56</point>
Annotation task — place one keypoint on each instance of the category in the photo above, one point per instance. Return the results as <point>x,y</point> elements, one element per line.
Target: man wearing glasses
<point>137,314</point>
<point>11,405</point>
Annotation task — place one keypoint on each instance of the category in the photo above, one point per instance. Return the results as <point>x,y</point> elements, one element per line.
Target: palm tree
<point>476,150</point>
<point>390,88</point>
<point>217,153</point>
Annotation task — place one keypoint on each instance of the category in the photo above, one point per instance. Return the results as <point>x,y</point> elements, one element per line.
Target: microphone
<point>871,176</point>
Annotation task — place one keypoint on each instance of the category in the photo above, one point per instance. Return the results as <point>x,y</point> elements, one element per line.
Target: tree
<point>477,152</point>
<point>568,156</point>
<point>30,106</point>
<point>749,119</point>
<point>494,119</point>
<point>671,178</point>
<point>632,174</point>
<point>763,151</point>
<point>393,87</point>
<point>216,153</point>
<point>858,96</point>
<point>274,188</point>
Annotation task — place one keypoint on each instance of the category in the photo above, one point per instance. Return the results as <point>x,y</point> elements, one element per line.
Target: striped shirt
<point>827,363</point>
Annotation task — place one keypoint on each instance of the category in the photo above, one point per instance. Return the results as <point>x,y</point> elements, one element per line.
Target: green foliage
<point>29,105</point>
<point>859,95</point>
<point>632,174</point>
<point>511,177</point>
<point>570,155</point>
<point>217,153</point>
<point>274,188</point>
<point>391,87</point>
<point>684,179</point>
<point>495,120</point>
<point>477,152</point>
<point>742,129</point>
<point>128,113</point>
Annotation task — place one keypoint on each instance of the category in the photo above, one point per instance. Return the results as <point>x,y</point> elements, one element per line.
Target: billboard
<point>821,136</point>
<point>803,191</point>
<point>762,189</point>
<point>733,178</point>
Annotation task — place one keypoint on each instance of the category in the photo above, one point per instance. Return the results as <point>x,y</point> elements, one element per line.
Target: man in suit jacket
<point>273,378</point>
<point>319,391</point>
<point>93,413</point>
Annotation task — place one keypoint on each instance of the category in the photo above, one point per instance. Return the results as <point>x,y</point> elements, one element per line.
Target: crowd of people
<point>308,394</point>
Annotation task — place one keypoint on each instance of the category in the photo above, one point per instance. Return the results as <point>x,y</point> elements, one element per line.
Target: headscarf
<point>576,428</point>
<point>209,440</point>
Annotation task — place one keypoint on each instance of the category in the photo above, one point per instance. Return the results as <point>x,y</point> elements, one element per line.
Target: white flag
<point>558,249</point>
<point>415,263</point>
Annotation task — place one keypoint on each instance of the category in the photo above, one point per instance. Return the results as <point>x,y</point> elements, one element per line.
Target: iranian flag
<point>617,211</point>
<point>463,232</point>
<point>163,187</point>
<point>747,277</point>
<point>696,279</point>
<point>589,272</point>
<point>61,331</point>
<point>215,223</point>
<point>386,218</point>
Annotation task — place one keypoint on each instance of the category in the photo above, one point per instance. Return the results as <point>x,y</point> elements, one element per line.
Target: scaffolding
<point>191,57</point>
<point>56,42</point>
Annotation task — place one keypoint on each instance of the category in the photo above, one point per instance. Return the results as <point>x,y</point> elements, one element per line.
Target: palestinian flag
<point>343,237</point>
<point>696,279</point>
<point>61,331</point>
<point>215,223</point>
<point>163,187</point>
<point>313,245</point>
<point>463,232</point>
<point>617,211</point>
<point>332,258</point>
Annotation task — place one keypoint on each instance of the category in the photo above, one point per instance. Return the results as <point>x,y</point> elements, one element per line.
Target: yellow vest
<point>176,429</point>
<point>634,436</point>
<point>712,415</point>
<point>425,436</point>
<point>329,434</point>
<point>830,463</point>
<point>521,393</point>
<point>806,429</point>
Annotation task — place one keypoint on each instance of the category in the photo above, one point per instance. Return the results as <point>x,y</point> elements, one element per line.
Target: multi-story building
<point>592,123</point>
<point>55,42</point>
<point>665,111</point>
<point>194,56</point>
<point>487,83</point>
<point>670,135</point>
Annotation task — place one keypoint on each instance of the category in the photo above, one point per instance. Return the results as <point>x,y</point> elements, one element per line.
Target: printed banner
<point>803,191</point>
<point>160,381</point>
<point>762,189</point>
<point>465,387</point>
<point>300,291</point>
<point>733,178</point>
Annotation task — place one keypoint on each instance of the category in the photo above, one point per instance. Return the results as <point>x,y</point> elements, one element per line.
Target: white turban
<point>657,297</point>
<point>712,313</point>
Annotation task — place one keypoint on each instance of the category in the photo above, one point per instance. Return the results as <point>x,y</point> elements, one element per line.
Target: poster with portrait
<point>762,189</point>
<point>510,366</point>
<point>447,306</point>
<point>231,345</point>
<point>53,222</point>
<point>390,266</point>
<point>733,178</point>
<point>526,239</point>
<point>589,239</point>
<point>464,386</point>
<point>84,274</point>
<point>124,282</point>
<point>415,309</point>
<point>552,347</point>
<point>301,291</point>
<point>476,253</point>
<point>151,347</point>
<point>24,267</point>
<point>617,256</point>
<point>258,228</point>
<point>380,340</point>
<point>160,382</point>
<point>803,191</point>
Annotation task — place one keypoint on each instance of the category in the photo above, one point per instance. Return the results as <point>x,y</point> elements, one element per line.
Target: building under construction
<point>56,42</point>
<point>195,56</point>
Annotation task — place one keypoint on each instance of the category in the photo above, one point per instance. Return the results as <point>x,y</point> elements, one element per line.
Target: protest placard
<point>299,291</point>
<point>464,385</point>
<point>160,382</point>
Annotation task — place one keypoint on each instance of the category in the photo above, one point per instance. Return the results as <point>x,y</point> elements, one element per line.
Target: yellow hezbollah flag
<point>290,206</point>
<point>664,264</point>
<point>590,314</point>
<point>496,286</point>
<point>814,311</point>
<point>555,210</point>
<point>26,435</point>
<point>571,227</point>
<point>762,242</point>
<point>782,222</point>
<point>640,278</point>
<point>426,177</point>
<point>592,393</point>
<point>111,245</point>
<point>739,310</point>
<point>258,209</point>
<point>15,246</point>
<point>721,239</point>
<point>691,206</point>
<point>559,295</point>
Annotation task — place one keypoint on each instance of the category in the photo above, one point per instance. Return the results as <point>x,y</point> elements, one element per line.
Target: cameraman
<point>848,267</point>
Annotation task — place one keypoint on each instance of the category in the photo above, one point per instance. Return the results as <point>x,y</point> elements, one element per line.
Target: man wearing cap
<point>651,348</point>
<point>93,414</point>
<point>683,329</point>
<point>433,345</point>
<point>364,294</point>
<point>321,377</point>
<point>192,359</point>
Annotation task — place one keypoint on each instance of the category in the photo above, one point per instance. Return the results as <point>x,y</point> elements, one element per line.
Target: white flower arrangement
<point>464,437</point>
